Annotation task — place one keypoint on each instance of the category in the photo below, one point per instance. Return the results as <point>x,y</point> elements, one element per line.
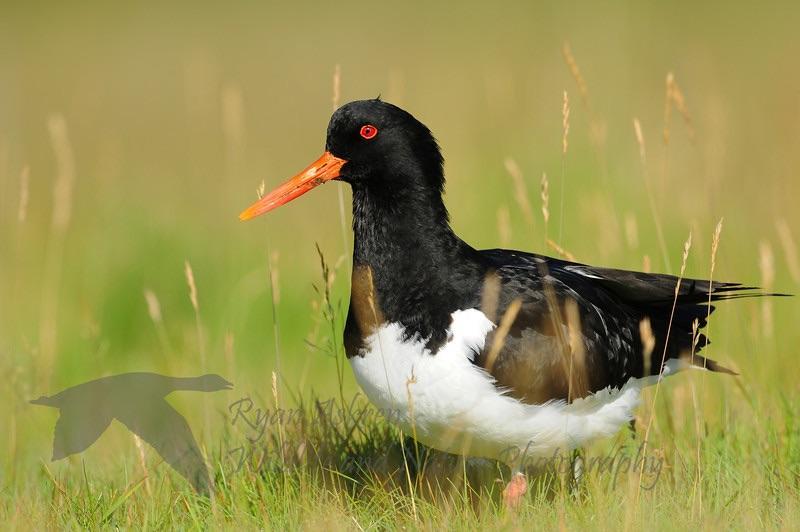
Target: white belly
<point>448,403</point>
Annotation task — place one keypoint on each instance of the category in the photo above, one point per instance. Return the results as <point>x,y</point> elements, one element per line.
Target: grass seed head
<point>789,249</point>
<point>565,124</point>
<point>192,286</point>
<point>648,343</point>
<point>337,86</point>
<point>545,193</point>
<point>566,50</point>
<point>24,193</point>
<point>637,129</point>
<point>520,189</point>
<point>153,306</point>
<point>65,177</point>
<point>504,225</point>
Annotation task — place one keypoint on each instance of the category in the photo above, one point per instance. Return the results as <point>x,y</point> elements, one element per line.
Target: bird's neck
<point>417,270</point>
<point>388,231</point>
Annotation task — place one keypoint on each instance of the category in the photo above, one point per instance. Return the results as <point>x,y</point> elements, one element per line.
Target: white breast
<point>448,403</point>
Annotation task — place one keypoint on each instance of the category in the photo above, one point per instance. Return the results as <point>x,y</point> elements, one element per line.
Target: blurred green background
<point>174,114</point>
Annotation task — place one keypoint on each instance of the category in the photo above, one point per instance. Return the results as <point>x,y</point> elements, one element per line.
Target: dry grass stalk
<point>154,311</point>
<point>280,418</point>
<point>142,463</point>
<point>275,297</point>
<point>647,265</point>
<point>396,86</point>
<point>545,195</point>
<point>335,100</point>
<point>273,277</point>
<point>674,98</point>
<point>554,312</point>
<point>578,386</point>
<point>52,478</point>
<point>637,128</point>
<point>201,344</point>
<point>275,390</point>
<point>490,296</point>
<point>564,145</point>
<point>565,124</point>
<point>520,190</point>
<point>24,193</point>
<point>65,178</point>
<point>153,306</point>
<point>680,105</point>
<point>504,225</point>
<point>62,210</point>
<point>767,266</point>
<point>668,106</point>
<point>233,129</point>
<point>337,86</point>
<point>377,317</point>
<point>4,159</point>
<point>187,270</point>
<point>561,251</point>
<point>262,189</point>
<point>695,337</point>
<point>196,306</point>
<point>648,344</point>
<point>371,297</point>
<point>697,484</point>
<point>714,249</point>
<point>233,113</point>
<point>597,129</point>
<point>228,352</point>
<point>686,247</point>
<point>502,331</point>
<point>576,72</point>
<point>631,231</point>
<point>410,399</point>
<point>789,249</point>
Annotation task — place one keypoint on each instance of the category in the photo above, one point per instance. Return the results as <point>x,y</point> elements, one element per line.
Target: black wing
<point>535,360</point>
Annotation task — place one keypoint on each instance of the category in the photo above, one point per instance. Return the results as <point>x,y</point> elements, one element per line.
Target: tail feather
<point>709,364</point>
<point>687,314</point>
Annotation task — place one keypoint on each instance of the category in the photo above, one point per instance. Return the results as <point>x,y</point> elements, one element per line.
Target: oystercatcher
<point>494,353</point>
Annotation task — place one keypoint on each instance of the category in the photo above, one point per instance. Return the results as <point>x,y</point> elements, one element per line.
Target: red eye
<point>369,131</point>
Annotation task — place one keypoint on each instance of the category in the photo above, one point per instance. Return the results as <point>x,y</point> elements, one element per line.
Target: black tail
<point>655,294</point>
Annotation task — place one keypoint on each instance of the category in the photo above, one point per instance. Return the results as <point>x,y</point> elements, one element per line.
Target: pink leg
<point>515,490</point>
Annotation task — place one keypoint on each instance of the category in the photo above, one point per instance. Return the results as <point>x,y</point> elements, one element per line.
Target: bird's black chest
<point>421,303</point>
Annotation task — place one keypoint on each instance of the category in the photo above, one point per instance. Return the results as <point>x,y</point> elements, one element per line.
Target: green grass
<point>749,477</point>
<point>163,165</point>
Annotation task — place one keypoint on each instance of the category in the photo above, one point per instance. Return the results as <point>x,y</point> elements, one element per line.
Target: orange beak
<point>323,169</point>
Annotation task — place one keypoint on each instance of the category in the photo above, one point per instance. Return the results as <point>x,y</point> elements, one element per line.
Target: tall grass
<point>61,214</point>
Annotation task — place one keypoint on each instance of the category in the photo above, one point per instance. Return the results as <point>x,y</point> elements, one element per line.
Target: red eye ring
<point>368,131</point>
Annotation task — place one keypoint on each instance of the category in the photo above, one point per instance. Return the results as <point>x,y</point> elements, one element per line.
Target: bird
<point>138,401</point>
<point>500,354</point>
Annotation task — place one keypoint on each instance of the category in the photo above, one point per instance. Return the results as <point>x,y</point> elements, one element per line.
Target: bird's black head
<point>372,145</point>
<point>384,146</point>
